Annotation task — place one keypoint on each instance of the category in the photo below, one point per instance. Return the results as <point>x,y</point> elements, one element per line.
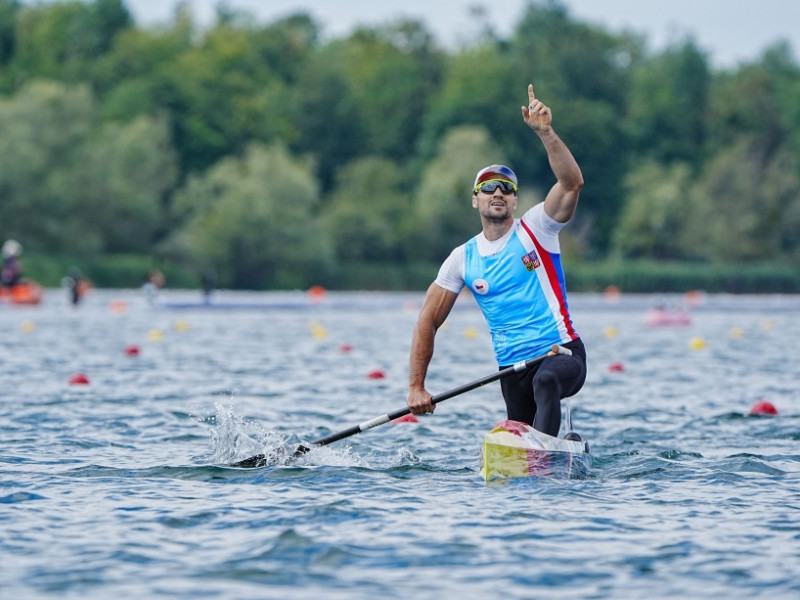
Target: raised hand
<point>536,114</point>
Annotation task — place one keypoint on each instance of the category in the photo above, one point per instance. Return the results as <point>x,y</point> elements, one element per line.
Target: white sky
<point>731,31</point>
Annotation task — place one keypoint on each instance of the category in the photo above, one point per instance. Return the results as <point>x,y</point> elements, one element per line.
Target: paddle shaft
<point>261,460</point>
<point>401,412</point>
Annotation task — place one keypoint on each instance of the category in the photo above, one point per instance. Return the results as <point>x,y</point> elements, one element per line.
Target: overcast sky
<point>731,31</point>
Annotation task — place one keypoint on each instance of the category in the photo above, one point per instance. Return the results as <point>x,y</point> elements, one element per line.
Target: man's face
<point>496,204</point>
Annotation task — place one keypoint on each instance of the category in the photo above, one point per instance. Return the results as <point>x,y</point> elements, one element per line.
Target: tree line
<point>274,158</point>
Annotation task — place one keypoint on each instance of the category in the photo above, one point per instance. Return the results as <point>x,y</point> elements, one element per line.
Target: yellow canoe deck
<point>514,449</point>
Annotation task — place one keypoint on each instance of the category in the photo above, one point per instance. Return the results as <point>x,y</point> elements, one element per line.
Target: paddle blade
<point>279,456</point>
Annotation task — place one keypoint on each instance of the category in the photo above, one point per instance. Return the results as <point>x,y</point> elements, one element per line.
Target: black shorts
<point>544,384</point>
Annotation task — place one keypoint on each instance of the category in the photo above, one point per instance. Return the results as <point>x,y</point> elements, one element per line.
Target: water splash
<point>235,437</point>
<point>329,456</point>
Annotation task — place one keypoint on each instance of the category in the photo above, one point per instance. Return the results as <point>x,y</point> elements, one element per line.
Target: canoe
<point>28,292</point>
<point>514,449</point>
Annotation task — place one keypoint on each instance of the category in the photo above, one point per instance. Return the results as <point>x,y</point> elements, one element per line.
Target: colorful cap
<point>495,172</point>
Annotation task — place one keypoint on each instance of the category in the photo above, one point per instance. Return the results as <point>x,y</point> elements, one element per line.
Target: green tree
<point>42,125</point>
<point>475,91</point>
<point>69,185</point>
<point>367,214</point>
<point>328,123</point>
<point>61,40</point>
<point>757,100</point>
<point>8,17</point>
<point>745,207</point>
<point>653,219</point>
<point>250,220</point>
<point>127,171</point>
<point>668,106</point>
<point>223,94</point>
<point>392,72</point>
<point>131,78</point>
<point>443,195</point>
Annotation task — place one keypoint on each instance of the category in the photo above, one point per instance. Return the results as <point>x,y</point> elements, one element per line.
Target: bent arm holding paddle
<point>435,309</point>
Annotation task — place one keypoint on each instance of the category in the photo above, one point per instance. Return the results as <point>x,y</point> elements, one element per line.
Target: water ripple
<point>123,488</point>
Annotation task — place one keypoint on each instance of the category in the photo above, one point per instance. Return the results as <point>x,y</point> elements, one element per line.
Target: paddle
<point>282,454</point>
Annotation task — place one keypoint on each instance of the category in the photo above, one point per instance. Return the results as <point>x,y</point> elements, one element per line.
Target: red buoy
<point>132,350</point>
<point>376,374</point>
<point>79,379</point>
<point>762,407</point>
<point>345,348</point>
<point>616,367</point>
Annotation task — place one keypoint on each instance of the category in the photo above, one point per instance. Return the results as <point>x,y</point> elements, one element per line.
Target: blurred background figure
<point>77,284</point>
<point>153,283</point>
<point>12,266</point>
<point>209,283</point>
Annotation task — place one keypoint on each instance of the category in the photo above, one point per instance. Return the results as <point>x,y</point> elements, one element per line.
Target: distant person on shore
<point>11,274</point>
<point>513,268</point>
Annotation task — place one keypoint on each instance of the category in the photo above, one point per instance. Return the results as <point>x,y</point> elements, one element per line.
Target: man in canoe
<point>513,268</point>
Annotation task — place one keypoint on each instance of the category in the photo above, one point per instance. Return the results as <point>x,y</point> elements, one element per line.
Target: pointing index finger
<point>531,95</point>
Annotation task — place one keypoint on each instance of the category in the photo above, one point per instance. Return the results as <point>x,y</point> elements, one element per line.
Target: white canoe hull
<point>514,449</point>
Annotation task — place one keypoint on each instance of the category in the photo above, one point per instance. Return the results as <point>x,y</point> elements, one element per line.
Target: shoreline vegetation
<point>641,276</point>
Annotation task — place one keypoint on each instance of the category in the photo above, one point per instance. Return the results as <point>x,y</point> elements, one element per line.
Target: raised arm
<point>435,309</point>
<point>562,198</point>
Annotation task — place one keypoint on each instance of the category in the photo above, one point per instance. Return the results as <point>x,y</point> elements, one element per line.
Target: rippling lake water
<point>119,488</point>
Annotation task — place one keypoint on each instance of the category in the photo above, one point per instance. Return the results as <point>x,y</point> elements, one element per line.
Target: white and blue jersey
<point>518,282</point>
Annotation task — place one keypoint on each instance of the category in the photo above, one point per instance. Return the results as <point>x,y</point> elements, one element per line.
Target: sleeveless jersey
<point>521,291</point>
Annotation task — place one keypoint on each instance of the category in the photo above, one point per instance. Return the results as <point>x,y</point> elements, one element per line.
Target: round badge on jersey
<point>480,286</point>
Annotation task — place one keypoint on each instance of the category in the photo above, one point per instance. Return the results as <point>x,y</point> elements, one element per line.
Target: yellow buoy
<point>737,333</point>
<point>317,330</point>
<point>470,333</point>
<point>697,343</point>
<point>181,326</point>
<point>767,324</point>
<point>610,331</point>
<point>27,326</point>
<point>155,335</point>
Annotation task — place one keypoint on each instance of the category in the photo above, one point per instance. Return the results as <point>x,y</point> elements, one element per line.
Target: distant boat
<point>27,292</point>
<point>668,317</point>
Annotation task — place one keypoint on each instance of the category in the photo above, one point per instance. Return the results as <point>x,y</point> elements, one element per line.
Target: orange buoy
<point>316,293</point>
<point>117,307</point>
<point>79,379</point>
<point>695,297</point>
<point>612,294</point>
<point>762,407</point>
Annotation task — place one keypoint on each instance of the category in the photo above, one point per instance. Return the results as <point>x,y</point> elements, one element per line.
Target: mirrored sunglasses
<point>488,187</point>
